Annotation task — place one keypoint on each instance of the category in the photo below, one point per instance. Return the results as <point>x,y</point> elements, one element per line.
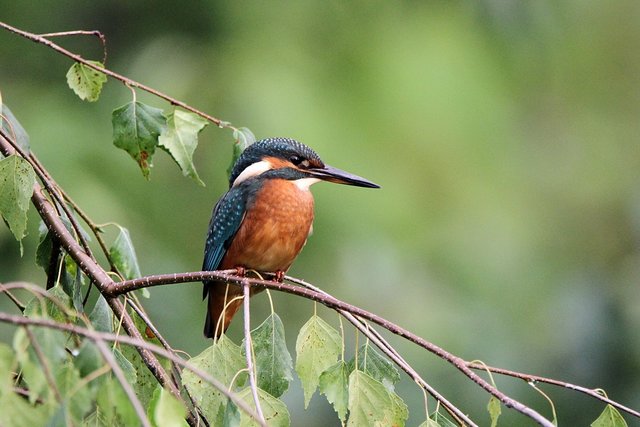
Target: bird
<point>262,222</point>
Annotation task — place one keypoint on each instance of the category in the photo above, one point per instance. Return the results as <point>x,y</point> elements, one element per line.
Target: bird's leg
<point>240,271</point>
<point>279,276</point>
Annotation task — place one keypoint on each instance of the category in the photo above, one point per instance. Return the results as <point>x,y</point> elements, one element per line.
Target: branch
<point>127,81</point>
<point>89,266</point>
<point>334,303</point>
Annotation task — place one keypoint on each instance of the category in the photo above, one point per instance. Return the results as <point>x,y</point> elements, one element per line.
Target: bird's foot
<point>240,271</point>
<point>279,276</point>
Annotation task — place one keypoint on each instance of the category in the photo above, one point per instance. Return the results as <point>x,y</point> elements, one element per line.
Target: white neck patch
<point>253,170</point>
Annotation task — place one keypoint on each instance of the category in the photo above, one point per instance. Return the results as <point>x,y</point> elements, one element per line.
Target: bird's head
<point>289,159</point>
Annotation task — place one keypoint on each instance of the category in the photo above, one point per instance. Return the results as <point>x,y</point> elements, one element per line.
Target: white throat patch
<point>253,170</point>
<point>305,183</point>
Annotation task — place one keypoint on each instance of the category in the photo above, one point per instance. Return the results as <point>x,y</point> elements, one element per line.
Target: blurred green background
<point>504,136</point>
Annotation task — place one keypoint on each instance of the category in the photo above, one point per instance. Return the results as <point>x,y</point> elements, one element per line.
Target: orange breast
<point>274,229</point>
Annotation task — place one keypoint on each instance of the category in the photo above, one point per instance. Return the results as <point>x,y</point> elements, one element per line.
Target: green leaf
<point>7,363</point>
<point>223,361</point>
<point>398,413</point>
<point>101,316</point>
<point>334,383</point>
<point>73,283</point>
<point>136,128</point>
<point>78,401</point>
<point>114,405</point>
<point>429,423</point>
<point>376,365</point>
<point>45,246</point>
<point>243,138</point>
<point>165,410</point>
<point>610,417</point>
<point>273,361</point>
<point>231,417</point>
<point>123,255</point>
<point>441,420</point>
<point>17,412</point>
<point>31,371</point>
<point>130,371</point>
<point>85,81</point>
<point>274,410</point>
<point>89,358</point>
<point>145,383</point>
<point>12,127</point>
<point>494,410</point>
<point>180,139</point>
<point>317,347</point>
<point>57,306</point>
<point>17,179</point>
<point>60,417</point>
<point>371,403</point>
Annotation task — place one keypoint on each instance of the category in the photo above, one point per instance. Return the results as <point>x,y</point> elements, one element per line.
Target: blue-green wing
<point>225,222</point>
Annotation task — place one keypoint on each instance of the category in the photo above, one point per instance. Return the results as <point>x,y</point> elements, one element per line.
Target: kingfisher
<point>262,222</point>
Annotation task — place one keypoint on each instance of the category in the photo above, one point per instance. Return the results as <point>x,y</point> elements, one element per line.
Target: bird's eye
<point>295,160</point>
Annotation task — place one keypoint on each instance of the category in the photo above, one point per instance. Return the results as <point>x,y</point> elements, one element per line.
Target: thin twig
<point>21,306</point>
<point>127,81</point>
<point>96,33</point>
<point>535,378</point>
<point>248,349</point>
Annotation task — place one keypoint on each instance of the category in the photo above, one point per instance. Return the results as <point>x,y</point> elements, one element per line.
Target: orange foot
<point>240,271</point>
<point>279,276</point>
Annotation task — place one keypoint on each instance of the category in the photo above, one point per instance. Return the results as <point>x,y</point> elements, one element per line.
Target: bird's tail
<point>224,301</point>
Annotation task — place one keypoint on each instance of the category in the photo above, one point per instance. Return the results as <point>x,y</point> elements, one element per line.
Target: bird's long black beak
<point>331,174</point>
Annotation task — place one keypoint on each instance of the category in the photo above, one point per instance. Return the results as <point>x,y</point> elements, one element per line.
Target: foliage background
<point>504,135</point>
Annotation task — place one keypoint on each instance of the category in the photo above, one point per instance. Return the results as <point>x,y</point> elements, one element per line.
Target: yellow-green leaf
<point>317,348</point>
<point>494,410</point>
<point>85,81</point>
<point>334,383</point>
<point>180,139</point>
<point>274,410</point>
<point>165,410</point>
<point>371,403</point>
<point>610,417</point>
<point>223,361</point>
